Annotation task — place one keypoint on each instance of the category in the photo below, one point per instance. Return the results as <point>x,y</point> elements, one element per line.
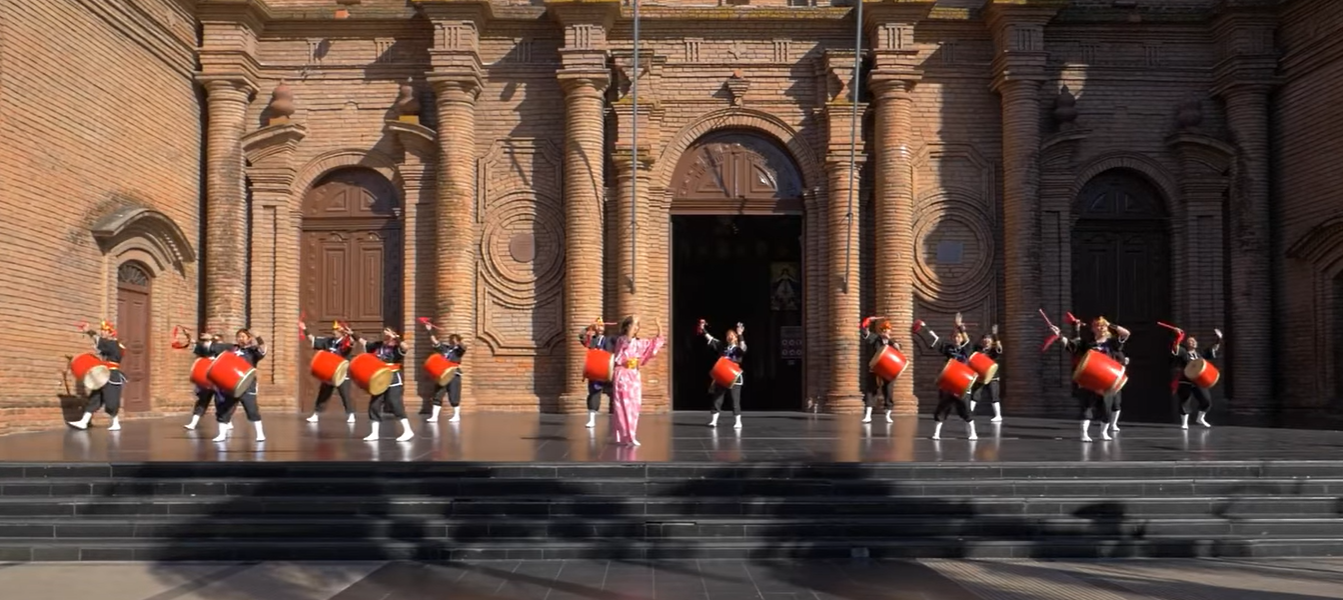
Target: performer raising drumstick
<point>391,350</point>
<point>107,397</point>
<point>251,349</point>
<point>453,350</point>
<point>1185,350</point>
<point>873,387</point>
<point>203,348</point>
<point>957,349</point>
<point>340,343</point>
<point>1106,340</point>
<point>594,338</point>
<point>632,352</point>
<point>987,391</point>
<point>732,347</point>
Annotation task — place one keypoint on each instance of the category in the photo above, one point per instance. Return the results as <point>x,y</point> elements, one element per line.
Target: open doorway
<point>728,269</point>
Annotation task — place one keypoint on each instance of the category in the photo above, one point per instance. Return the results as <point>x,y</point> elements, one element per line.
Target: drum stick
<point>427,321</point>
<point>1047,321</point>
<point>1169,326</point>
<point>1049,342</point>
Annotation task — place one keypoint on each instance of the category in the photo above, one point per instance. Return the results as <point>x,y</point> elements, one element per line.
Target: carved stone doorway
<point>351,265</point>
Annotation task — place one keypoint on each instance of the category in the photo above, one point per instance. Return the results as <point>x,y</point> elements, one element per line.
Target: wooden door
<point>351,261</point>
<point>1121,269</point>
<point>133,326</point>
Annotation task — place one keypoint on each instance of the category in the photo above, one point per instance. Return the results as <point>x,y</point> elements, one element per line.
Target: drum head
<point>380,381</point>
<point>244,384</point>
<point>341,374</point>
<point>447,376</point>
<point>97,377</point>
<point>1192,370</point>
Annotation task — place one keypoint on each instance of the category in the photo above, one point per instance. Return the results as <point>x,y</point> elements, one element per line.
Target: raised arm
<point>1216,347</point>
<point>1120,333</point>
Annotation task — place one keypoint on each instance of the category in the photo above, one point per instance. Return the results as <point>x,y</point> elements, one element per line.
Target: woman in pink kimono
<point>631,354</point>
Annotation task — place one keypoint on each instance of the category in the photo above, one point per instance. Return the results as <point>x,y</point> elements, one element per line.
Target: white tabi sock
<point>456,415</point>
<point>406,432</point>
<point>592,419</point>
<point>713,420</point>
<point>937,430</point>
<point>195,420</point>
<point>349,418</point>
<point>1184,421</point>
<point>972,406</point>
<point>889,418</point>
<point>997,413</point>
<point>434,415</point>
<point>1114,422</point>
<point>373,437</point>
<point>82,423</point>
<point>260,431</point>
<point>1086,425</point>
<point>737,425</point>
<point>970,427</point>
<point>1202,420</point>
<point>867,415</point>
<point>223,432</point>
<point>313,418</point>
<point>116,424</point>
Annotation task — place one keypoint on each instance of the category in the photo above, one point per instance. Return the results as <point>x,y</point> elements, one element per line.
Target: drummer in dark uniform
<point>957,349</point>
<point>1184,351</point>
<point>341,342</point>
<point>987,391</point>
<point>1107,339</point>
<point>874,389</point>
<point>202,348</point>
<point>251,349</point>
<point>594,337</point>
<point>391,350</point>
<point>733,348</point>
<point>108,397</point>
<point>452,349</point>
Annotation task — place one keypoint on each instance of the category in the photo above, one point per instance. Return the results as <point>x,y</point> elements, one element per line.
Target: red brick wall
<point>99,111</point>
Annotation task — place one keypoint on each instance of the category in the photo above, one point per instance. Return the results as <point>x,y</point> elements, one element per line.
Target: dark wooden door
<point>1121,269</point>
<point>352,261</point>
<point>133,326</point>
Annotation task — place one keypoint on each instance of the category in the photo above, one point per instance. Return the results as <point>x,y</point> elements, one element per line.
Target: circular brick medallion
<point>522,249</point>
<point>954,251</point>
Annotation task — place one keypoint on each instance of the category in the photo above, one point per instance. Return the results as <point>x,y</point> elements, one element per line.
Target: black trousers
<point>388,401</point>
<point>882,391</point>
<point>1190,394</point>
<point>203,400</point>
<point>595,391</point>
<point>1116,401</point>
<point>324,396</point>
<point>987,392</point>
<point>453,391</point>
<point>717,392</point>
<point>109,396</point>
<point>249,406</point>
<point>1094,406</point>
<point>947,403</point>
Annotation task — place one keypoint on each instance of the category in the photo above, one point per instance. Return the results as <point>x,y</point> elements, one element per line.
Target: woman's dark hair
<point>244,330</point>
<point>455,339</point>
<point>626,324</point>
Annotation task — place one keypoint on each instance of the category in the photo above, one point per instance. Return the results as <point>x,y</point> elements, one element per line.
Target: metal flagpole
<point>856,86</point>
<point>634,150</point>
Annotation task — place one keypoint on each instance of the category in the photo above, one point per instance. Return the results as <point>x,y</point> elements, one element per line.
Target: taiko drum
<point>440,368</point>
<point>957,378</point>
<point>329,368</point>
<point>1202,373</point>
<point>91,370</point>
<point>231,374</point>
<point>725,373</point>
<point>888,364</point>
<point>599,366</point>
<point>200,373</point>
<point>986,367</point>
<point>371,374</point>
<point>1099,374</point>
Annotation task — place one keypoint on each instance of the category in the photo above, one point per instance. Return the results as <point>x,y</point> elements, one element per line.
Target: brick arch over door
<point>739,119</point>
<point>1121,269</point>
<point>736,171</point>
<point>352,256</point>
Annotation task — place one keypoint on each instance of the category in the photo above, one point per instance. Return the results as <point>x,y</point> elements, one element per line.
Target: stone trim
<point>166,245</point>
<point>1157,174</point>
<point>325,163</point>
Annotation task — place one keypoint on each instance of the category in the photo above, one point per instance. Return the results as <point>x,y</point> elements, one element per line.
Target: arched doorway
<point>737,257</point>
<point>134,287</point>
<point>1121,269</point>
<point>351,266</point>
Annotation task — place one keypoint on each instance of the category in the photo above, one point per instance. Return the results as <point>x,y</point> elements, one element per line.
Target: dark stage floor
<point>682,437</point>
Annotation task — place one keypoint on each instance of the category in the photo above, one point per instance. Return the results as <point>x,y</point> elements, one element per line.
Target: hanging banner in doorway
<point>785,291</point>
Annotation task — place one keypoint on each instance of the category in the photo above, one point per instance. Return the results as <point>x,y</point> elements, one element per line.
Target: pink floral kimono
<point>631,354</point>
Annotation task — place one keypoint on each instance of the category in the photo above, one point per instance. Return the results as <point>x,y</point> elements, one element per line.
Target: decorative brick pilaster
<point>226,204</point>
<point>1019,69</point>
<point>419,150</point>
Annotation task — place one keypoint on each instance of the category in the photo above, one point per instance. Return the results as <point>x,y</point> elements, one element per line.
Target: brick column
<point>225,205</point>
<point>843,256</point>
<point>454,212</point>
<point>584,250</point>
<point>894,208</point>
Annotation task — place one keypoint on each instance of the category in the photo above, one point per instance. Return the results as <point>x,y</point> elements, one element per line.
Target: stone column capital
<point>227,87</point>
<point>889,85</point>
<point>455,87</point>
<point>625,163</point>
<point>584,82</point>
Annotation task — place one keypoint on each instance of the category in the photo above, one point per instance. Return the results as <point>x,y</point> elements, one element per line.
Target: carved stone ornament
<point>407,105</point>
<point>1065,109</point>
<point>1190,114</point>
<point>737,86</point>
<point>281,104</point>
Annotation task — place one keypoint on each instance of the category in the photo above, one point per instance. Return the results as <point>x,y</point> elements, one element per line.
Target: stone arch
<point>737,171</point>
<point>1321,247</point>
<point>153,237</point>
<point>328,162</point>
<point>1148,168</point>
<point>742,119</point>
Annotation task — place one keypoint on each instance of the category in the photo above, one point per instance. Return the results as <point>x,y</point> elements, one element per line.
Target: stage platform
<point>789,486</point>
<point>678,438</point>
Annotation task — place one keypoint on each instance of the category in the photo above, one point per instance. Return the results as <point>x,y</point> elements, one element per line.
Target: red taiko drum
<point>91,370</point>
<point>956,378</point>
<point>985,366</point>
<point>599,366</point>
<point>888,364</point>
<point>371,374</point>
<point>440,368</point>
<point>725,373</point>
<point>329,368</point>
<point>1098,373</point>
<point>1202,373</point>
<point>231,374</point>
<point>199,373</point>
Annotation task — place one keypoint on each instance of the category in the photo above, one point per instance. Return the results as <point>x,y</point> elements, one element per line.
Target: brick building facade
<point>230,163</point>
